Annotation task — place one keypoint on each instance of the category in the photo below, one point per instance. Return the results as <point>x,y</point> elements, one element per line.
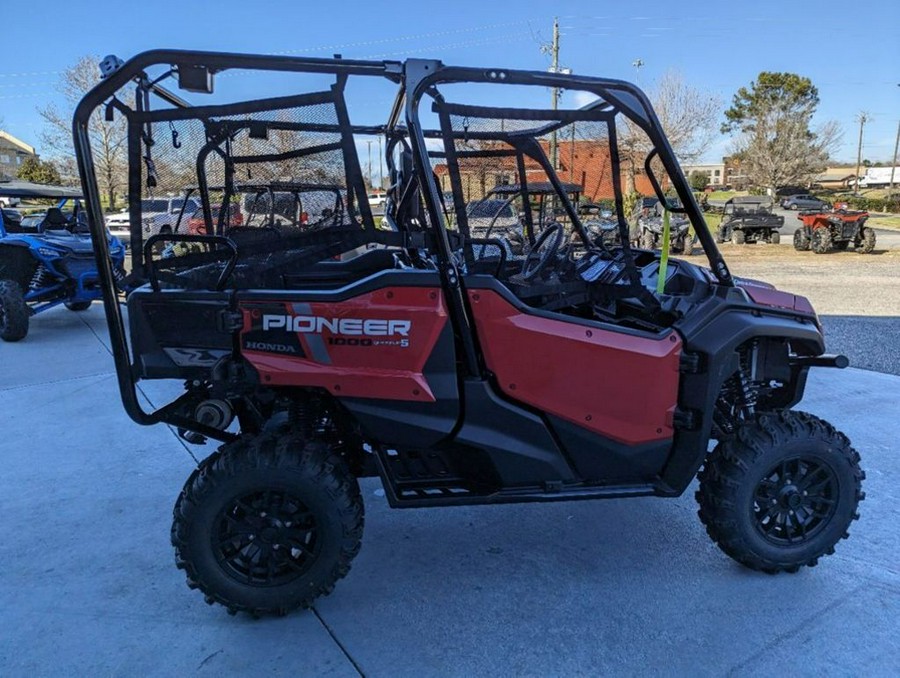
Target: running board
<point>417,479</point>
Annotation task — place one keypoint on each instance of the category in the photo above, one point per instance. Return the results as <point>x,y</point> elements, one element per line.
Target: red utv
<point>412,351</point>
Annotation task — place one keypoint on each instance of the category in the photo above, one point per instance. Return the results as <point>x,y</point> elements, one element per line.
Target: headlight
<point>47,252</point>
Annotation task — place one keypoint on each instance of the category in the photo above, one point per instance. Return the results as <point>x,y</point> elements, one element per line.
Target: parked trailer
<point>876,177</point>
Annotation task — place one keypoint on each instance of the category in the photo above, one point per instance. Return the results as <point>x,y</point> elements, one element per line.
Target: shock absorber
<point>300,416</point>
<point>41,278</point>
<point>748,395</point>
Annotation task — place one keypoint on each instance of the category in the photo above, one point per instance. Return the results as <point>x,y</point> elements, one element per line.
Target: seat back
<point>55,220</point>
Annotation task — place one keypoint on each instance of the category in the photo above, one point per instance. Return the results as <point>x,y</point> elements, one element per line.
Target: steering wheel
<point>541,254</point>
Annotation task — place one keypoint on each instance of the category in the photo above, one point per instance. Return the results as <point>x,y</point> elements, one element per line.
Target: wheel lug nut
<point>262,514</point>
<point>252,537</point>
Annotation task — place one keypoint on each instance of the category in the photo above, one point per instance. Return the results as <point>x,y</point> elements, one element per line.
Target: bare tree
<point>688,117</point>
<point>776,146</point>
<point>784,152</point>
<point>108,139</point>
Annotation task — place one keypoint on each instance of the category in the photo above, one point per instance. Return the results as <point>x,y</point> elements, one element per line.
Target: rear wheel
<point>782,493</point>
<point>738,237</point>
<point>13,312</point>
<point>77,305</point>
<point>867,243</point>
<point>267,524</point>
<point>801,240</point>
<point>775,238</point>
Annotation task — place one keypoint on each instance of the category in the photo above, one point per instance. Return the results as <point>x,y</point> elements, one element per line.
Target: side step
<point>417,479</point>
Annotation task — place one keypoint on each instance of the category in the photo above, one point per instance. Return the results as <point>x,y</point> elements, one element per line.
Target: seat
<point>55,220</point>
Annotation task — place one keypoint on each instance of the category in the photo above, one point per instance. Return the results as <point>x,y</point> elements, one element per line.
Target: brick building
<point>583,162</point>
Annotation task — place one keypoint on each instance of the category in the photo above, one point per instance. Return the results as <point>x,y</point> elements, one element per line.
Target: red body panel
<point>382,365</point>
<point>618,385</point>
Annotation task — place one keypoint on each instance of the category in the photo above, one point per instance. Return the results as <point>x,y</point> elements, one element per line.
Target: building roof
<point>17,142</point>
<point>833,176</point>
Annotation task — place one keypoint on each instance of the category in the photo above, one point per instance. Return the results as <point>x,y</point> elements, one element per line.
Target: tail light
<point>196,227</point>
<point>304,217</point>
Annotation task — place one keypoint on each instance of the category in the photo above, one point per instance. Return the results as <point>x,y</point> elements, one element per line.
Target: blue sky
<point>851,52</point>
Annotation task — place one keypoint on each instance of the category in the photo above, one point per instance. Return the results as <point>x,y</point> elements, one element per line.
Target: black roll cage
<point>416,78</point>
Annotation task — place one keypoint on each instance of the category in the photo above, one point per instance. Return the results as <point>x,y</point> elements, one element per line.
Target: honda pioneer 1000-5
<point>413,350</point>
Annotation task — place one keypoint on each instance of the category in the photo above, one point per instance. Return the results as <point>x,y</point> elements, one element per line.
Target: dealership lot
<point>578,588</point>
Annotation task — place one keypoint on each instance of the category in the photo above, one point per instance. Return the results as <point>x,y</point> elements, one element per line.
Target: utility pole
<point>862,119</point>
<point>380,173</point>
<point>554,68</point>
<point>369,142</point>
<point>894,161</point>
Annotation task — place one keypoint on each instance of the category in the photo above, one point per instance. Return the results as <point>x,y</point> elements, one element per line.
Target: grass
<point>725,195</point>
<point>892,223</point>
<point>713,221</point>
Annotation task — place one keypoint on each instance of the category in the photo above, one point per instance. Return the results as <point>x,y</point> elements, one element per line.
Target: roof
<point>279,186</point>
<point>834,176</point>
<point>18,142</point>
<point>25,189</point>
<point>536,187</point>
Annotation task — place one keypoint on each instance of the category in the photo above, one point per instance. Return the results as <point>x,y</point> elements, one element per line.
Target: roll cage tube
<point>622,96</point>
<point>104,92</point>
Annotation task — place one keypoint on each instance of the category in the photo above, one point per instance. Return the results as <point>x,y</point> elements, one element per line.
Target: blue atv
<point>48,264</point>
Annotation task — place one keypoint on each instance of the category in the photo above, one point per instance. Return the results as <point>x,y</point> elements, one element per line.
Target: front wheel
<point>821,241</point>
<point>774,238</point>
<point>738,237</point>
<point>267,524</point>
<point>648,241</point>
<point>867,242</point>
<point>13,312</point>
<point>782,493</point>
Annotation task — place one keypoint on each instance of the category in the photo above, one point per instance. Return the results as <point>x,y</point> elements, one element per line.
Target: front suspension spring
<point>41,278</point>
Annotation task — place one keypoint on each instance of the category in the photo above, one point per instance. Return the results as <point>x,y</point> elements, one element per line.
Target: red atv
<point>454,368</point>
<point>838,229</point>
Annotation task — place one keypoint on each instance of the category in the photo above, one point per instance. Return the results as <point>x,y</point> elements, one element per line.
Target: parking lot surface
<point>621,587</point>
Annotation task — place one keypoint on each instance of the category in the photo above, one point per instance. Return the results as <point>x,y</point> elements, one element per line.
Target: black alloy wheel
<point>268,523</point>
<point>266,538</point>
<point>795,500</point>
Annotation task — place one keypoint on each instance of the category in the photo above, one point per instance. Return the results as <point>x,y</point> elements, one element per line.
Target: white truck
<point>876,177</point>
<point>159,215</point>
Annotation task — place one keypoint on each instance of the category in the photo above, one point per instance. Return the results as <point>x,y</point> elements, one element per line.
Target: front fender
<point>712,336</point>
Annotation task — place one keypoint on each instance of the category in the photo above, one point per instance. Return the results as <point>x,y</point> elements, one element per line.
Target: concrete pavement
<point>622,587</point>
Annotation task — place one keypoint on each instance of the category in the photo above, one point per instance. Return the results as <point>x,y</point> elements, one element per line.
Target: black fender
<point>711,339</point>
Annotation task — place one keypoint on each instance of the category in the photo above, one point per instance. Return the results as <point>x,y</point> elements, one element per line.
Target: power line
<point>402,38</point>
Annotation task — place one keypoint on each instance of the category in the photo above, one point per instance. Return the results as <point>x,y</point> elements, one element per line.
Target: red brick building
<point>583,162</point>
